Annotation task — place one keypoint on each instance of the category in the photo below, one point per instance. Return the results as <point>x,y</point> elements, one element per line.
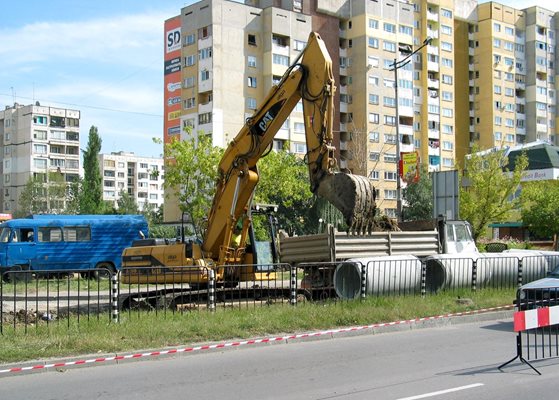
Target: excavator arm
<point>309,78</point>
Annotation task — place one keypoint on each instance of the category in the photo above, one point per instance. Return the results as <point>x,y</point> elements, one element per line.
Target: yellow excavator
<point>309,79</point>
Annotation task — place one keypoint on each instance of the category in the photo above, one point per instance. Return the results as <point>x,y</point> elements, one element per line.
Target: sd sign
<point>173,40</point>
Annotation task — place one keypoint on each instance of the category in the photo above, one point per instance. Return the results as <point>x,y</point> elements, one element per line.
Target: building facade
<point>140,177</point>
<point>36,140</point>
<point>480,75</point>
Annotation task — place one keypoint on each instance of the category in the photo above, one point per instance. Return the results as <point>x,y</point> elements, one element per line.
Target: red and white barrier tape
<point>242,343</point>
<point>537,318</point>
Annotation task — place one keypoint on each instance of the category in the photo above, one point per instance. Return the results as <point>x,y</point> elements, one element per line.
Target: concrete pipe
<point>384,275</point>
<point>452,271</point>
<point>535,265</point>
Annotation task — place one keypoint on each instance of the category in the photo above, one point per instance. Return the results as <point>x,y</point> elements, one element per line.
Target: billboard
<point>172,79</point>
<point>409,166</point>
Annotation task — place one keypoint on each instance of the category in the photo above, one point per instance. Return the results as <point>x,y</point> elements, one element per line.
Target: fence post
<point>520,267</point>
<point>364,269</point>
<point>293,285</point>
<point>114,297</point>
<point>474,275</point>
<point>423,277</point>
<point>211,289</point>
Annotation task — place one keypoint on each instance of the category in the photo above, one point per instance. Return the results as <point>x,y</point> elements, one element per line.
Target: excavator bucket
<point>354,196</point>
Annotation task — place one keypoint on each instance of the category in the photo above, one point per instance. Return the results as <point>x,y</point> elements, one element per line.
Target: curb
<point>487,314</point>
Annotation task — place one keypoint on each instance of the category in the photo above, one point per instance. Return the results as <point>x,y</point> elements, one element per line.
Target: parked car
<point>540,293</point>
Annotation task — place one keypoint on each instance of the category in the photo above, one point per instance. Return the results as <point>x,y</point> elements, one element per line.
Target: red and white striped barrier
<point>242,343</point>
<point>537,318</point>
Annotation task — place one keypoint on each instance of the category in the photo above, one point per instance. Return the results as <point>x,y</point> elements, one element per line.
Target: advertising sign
<point>409,166</point>
<point>172,78</point>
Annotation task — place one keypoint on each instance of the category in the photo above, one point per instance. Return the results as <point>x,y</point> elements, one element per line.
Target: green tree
<point>488,188</point>
<point>73,191</point>
<point>284,181</point>
<point>191,173</point>
<point>43,194</point>
<point>539,208</point>
<point>91,196</point>
<point>126,204</point>
<point>418,197</point>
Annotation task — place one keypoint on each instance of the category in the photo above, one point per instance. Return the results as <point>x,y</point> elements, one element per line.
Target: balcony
<point>433,83</point>
<point>433,33</point>
<point>433,50</point>
<point>434,134</point>
<point>343,89</point>
<point>432,66</point>
<point>432,16</point>
<point>343,52</point>
<point>343,107</point>
<point>205,108</point>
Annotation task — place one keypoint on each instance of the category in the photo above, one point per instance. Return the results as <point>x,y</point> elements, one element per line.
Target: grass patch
<point>145,330</point>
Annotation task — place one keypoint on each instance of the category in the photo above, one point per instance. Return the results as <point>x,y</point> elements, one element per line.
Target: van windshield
<point>4,235</point>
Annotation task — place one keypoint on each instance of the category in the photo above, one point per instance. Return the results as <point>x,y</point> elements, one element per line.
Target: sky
<point>104,58</point>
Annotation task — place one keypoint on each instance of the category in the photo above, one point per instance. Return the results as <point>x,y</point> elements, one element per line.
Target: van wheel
<point>103,270</point>
<point>13,276</point>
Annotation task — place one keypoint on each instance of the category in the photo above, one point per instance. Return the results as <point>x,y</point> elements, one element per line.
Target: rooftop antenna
<point>13,94</point>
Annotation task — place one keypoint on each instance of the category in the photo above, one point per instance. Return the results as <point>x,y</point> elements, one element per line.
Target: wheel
<point>103,270</point>
<point>13,276</point>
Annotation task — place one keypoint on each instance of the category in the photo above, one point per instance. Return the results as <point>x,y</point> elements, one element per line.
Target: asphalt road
<point>450,362</point>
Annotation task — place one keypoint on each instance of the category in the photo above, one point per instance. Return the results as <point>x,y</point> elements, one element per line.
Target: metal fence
<point>34,298</point>
<point>536,322</point>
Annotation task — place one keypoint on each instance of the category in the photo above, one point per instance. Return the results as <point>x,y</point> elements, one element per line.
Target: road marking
<point>432,394</point>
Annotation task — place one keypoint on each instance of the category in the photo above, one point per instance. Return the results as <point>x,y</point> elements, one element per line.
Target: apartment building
<point>478,74</point>
<point>36,140</point>
<point>222,58</point>
<point>140,177</point>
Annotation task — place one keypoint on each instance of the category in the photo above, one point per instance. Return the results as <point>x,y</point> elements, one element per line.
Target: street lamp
<point>395,66</point>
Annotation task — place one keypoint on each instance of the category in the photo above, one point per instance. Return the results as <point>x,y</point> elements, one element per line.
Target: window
<point>252,81</point>
<point>497,43</point>
<point>389,27</point>
<point>189,39</point>
<point>389,120</point>
<point>447,112</point>
<point>205,53</point>
<point>433,108</point>
<point>446,46</point>
<point>496,89</point>
<point>251,61</point>
<point>448,145</point>
<point>447,30</point>
<point>509,46</point>
<point>373,137</point>
<point>373,98</point>
<point>40,148</point>
<point>446,13</point>
<point>446,62</point>
<point>251,103</point>
<point>77,233</point>
<point>300,148</point>
<point>57,162</point>
<point>389,176</point>
<point>189,103</point>
<point>189,82</point>
<point>389,46</point>
<point>299,127</point>
<point>373,80</point>
<point>447,79</point>
<point>204,75</point>
<point>448,129</point>
<point>373,42</point>
<point>446,96</point>
<point>389,194</point>
<point>40,163</point>
<point>299,45</point>
<point>389,83</point>
<point>374,156</point>
<point>509,31</point>
<point>189,60</point>
<point>280,60</point>
<point>389,101</point>
<point>252,40</point>
<point>406,30</point>
<point>39,120</point>
<point>374,175</point>
<point>373,24</point>
<point>40,135</point>
<point>390,139</point>
<point>374,118</point>
<point>496,27</point>
<point>498,120</point>
<point>371,61</point>
<point>390,158</point>
<point>49,234</point>
<point>205,118</point>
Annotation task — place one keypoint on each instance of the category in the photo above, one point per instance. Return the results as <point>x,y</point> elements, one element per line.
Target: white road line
<point>432,394</point>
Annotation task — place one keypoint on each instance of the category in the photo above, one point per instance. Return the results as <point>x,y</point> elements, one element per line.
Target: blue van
<point>68,242</point>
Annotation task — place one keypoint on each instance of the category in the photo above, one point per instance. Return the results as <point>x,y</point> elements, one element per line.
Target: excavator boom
<point>309,78</point>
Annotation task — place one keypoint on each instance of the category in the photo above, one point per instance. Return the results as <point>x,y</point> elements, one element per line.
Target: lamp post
<point>395,66</point>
